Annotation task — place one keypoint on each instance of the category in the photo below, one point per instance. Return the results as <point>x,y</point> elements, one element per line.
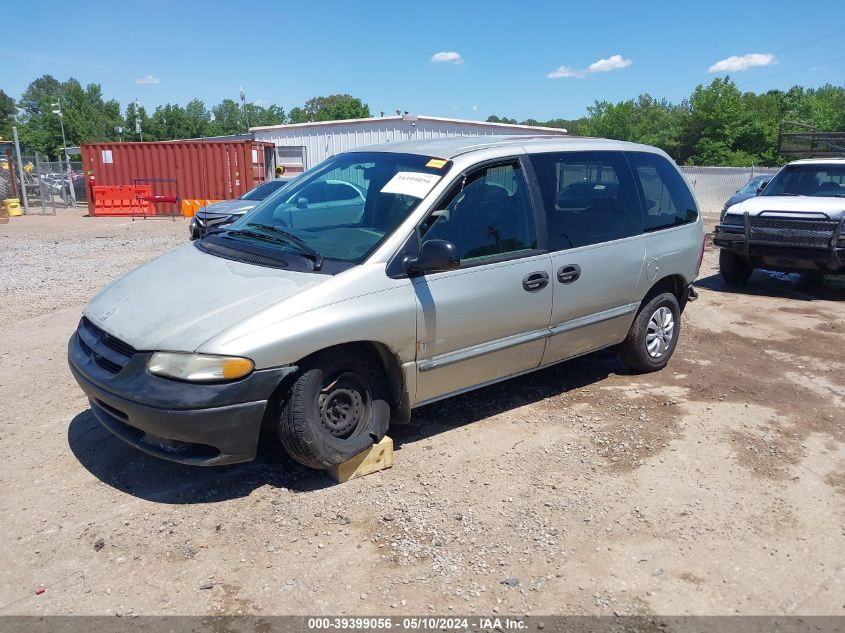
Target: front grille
<point>217,220</point>
<point>107,351</point>
<point>792,232</point>
<point>102,361</point>
<point>114,343</point>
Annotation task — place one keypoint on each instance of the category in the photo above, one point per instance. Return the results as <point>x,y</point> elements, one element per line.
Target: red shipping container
<point>187,170</point>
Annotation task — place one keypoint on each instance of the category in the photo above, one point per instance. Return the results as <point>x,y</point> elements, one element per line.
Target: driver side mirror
<point>302,203</point>
<point>761,187</point>
<point>436,256</point>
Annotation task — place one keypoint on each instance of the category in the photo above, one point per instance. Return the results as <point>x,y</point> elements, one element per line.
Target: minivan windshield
<point>817,180</point>
<point>342,209</point>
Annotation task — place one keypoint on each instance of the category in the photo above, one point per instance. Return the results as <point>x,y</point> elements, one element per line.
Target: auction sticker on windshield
<point>411,183</point>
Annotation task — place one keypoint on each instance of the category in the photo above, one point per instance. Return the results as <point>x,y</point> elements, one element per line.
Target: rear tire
<point>653,334</point>
<point>734,269</point>
<point>337,407</point>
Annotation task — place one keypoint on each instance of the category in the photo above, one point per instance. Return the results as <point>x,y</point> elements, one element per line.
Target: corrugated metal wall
<point>322,141</point>
<point>215,170</point>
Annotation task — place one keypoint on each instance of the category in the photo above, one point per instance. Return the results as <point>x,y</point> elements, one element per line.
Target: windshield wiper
<point>294,239</point>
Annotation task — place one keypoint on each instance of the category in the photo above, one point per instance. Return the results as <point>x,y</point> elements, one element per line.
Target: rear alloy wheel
<point>336,408</point>
<point>653,335</point>
<point>735,270</point>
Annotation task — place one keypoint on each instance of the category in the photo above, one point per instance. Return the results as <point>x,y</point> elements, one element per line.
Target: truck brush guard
<point>779,233</point>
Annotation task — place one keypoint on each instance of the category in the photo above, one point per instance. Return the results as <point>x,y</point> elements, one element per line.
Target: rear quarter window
<point>667,200</point>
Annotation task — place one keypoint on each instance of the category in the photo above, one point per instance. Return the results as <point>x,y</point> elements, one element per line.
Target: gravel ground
<point>713,487</point>
<point>61,261</point>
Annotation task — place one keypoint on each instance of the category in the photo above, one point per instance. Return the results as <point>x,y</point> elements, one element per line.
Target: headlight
<point>199,367</point>
<point>732,218</point>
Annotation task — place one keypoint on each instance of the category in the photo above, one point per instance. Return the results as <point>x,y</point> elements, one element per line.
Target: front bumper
<point>199,424</point>
<point>788,246</point>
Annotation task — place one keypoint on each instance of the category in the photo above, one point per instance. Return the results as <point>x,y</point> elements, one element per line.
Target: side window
<point>666,197</point>
<point>589,197</point>
<point>486,215</point>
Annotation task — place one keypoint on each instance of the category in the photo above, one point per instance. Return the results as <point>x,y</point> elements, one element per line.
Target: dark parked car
<point>221,214</point>
<point>748,190</point>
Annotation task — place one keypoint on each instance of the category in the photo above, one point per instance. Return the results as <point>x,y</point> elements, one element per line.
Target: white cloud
<point>614,62</point>
<point>738,63</point>
<point>447,56</point>
<point>149,80</point>
<point>564,72</point>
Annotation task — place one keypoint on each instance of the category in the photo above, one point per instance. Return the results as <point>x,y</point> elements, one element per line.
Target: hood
<point>180,300</point>
<point>833,207</point>
<point>228,207</point>
<point>737,198</point>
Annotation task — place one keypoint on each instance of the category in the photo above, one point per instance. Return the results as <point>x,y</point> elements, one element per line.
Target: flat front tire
<point>653,335</point>
<point>336,408</point>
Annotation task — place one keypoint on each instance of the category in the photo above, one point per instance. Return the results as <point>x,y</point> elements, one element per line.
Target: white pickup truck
<point>793,224</point>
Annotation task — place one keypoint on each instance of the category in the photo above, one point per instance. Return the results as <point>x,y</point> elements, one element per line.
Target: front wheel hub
<point>343,404</point>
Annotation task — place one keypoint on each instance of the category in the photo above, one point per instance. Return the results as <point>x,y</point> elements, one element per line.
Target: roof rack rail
<point>802,140</point>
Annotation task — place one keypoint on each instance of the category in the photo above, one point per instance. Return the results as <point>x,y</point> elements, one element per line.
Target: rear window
<point>665,195</point>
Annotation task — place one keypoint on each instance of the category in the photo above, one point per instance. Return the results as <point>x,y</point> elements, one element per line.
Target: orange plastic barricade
<point>190,207</point>
<point>118,200</point>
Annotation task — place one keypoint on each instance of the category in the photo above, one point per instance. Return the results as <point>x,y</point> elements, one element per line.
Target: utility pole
<point>243,108</point>
<point>138,121</point>
<point>58,110</point>
<point>20,170</point>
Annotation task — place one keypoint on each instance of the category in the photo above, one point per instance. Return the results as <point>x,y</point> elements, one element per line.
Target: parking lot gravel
<point>716,486</point>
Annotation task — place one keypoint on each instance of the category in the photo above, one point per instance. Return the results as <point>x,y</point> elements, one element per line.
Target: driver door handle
<point>535,281</point>
<point>569,273</point>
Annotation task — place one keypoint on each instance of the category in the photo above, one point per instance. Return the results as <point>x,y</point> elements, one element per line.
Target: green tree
<point>8,110</point>
<point>495,119</point>
<point>258,116</point>
<point>335,107</point>
<point>85,114</point>
<point>197,119</point>
<point>228,118</point>
<point>40,128</point>
<point>609,120</point>
<point>297,115</point>
<point>169,122</point>
<point>826,107</point>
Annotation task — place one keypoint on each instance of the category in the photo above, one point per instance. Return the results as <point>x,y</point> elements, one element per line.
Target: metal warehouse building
<point>300,146</point>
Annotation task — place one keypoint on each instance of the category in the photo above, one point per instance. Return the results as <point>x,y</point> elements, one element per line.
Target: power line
<point>777,52</point>
<point>789,72</point>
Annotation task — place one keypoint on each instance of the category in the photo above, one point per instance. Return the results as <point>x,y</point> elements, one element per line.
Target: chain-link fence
<point>48,185</point>
<point>52,185</point>
<point>714,185</point>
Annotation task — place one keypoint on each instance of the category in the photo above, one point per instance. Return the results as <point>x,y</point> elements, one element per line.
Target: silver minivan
<point>463,262</point>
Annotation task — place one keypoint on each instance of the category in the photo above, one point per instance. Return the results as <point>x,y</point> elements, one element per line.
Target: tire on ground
<point>634,350</point>
<point>336,408</point>
<point>734,269</point>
